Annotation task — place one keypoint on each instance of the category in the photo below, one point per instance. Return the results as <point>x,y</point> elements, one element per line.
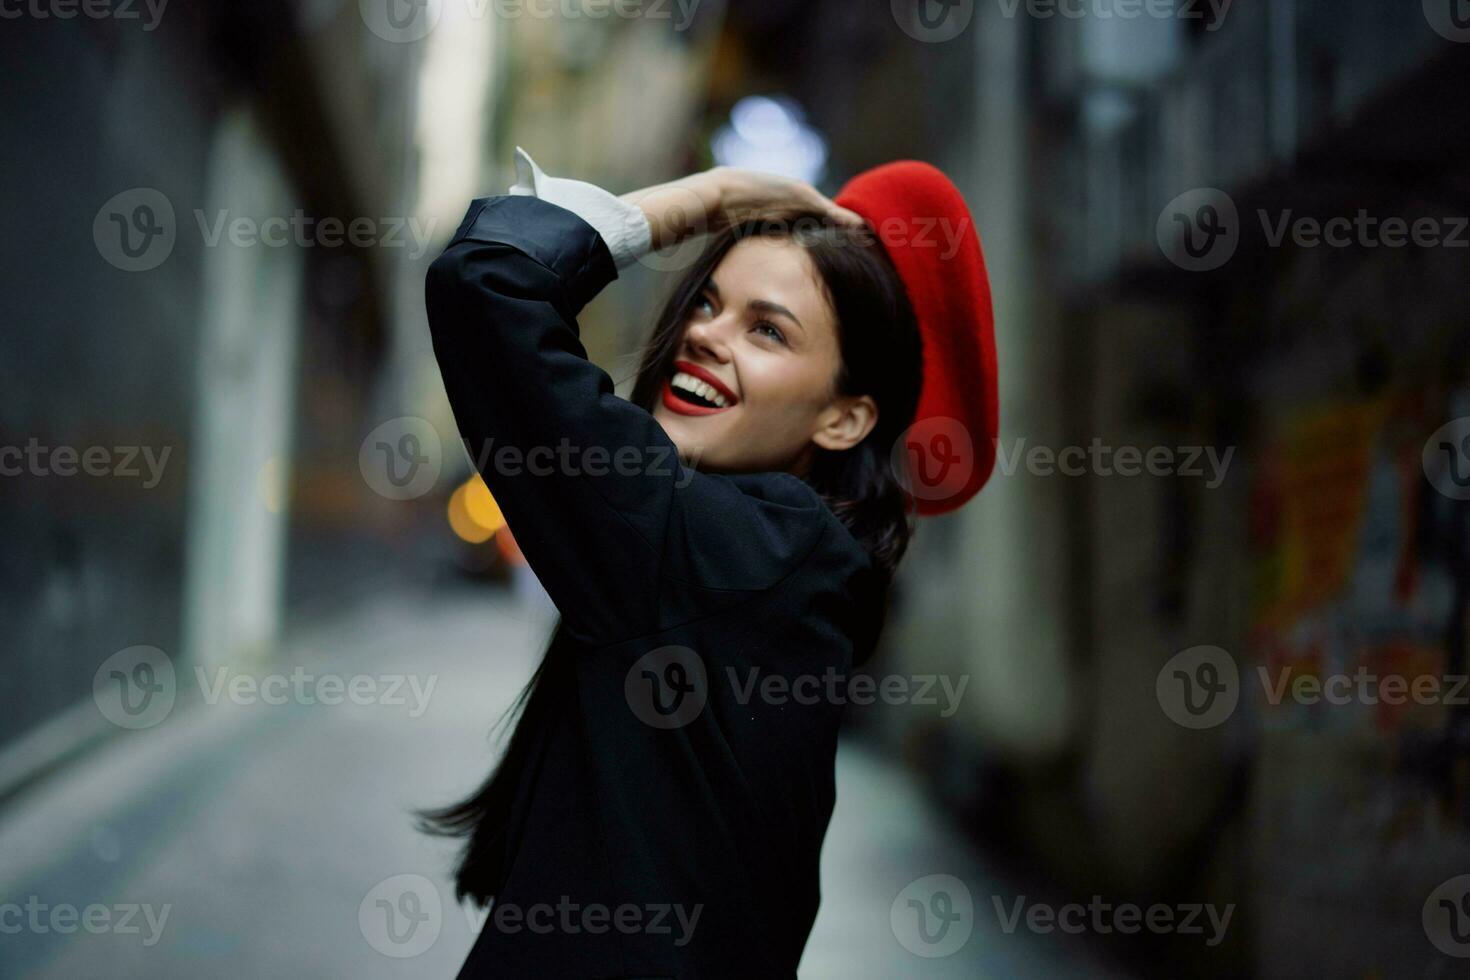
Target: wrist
<point>711,188</point>
<point>717,182</point>
<point>682,207</point>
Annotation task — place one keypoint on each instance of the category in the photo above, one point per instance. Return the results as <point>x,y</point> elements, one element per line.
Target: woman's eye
<point>775,332</point>
<point>705,304</point>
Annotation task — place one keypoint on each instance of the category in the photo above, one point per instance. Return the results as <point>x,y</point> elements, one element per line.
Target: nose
<point>709,337</point>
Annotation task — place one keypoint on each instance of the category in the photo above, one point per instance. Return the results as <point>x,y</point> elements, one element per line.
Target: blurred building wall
<point>242,460</point>
<point>95,356</point>
<point>140,331</point>
<point>1320,370</point>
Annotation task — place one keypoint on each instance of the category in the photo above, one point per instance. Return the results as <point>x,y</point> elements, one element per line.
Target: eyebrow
<point>759,305</point>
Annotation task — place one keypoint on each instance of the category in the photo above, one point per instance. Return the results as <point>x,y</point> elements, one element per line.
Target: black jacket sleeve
<point>606,514</point>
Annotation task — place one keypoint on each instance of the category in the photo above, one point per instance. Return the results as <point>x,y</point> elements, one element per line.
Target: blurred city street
<point>1210,615</point>
<point>250,834</point>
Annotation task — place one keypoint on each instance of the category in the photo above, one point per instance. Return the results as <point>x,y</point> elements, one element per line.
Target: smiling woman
<point>782,371</point>
<point>762,338</point>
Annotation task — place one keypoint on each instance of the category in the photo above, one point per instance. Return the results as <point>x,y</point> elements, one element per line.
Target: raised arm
<point>607,515</point>
<point>585,478</point>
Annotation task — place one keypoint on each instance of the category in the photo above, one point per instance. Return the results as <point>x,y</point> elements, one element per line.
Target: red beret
<point>925,227</point>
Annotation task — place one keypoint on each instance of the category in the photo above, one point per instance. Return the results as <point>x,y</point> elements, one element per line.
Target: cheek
<point>790,389</point>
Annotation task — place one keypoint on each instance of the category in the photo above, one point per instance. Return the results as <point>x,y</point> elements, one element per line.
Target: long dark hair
<point>881,356</point>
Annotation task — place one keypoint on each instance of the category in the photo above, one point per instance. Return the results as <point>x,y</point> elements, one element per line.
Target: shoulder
<point>739,534</point>
<point>748,531</point>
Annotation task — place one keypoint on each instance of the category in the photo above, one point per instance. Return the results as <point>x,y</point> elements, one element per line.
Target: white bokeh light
<point>770,134</point>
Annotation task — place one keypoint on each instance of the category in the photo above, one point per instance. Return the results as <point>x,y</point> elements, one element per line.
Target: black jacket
<point>667,769</point>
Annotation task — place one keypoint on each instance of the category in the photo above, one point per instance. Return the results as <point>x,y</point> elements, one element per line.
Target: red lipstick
<point>674,403</point>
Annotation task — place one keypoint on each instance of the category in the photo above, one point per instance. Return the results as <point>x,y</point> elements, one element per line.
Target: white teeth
<point>703,388</point>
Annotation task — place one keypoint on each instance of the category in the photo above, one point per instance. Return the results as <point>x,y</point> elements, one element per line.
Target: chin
<point>693,456</point>
<point>677,436</point>
<point>693,451</point>
<point>696,456</point>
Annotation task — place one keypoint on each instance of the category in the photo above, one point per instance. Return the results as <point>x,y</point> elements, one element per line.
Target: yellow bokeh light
<point>460,522</point>
<point>482,508</point>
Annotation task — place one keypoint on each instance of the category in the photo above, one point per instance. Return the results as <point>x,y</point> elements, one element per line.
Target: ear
<point>846,422</point>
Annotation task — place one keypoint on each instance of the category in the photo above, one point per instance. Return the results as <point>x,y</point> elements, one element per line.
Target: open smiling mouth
<point>687,394</point>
